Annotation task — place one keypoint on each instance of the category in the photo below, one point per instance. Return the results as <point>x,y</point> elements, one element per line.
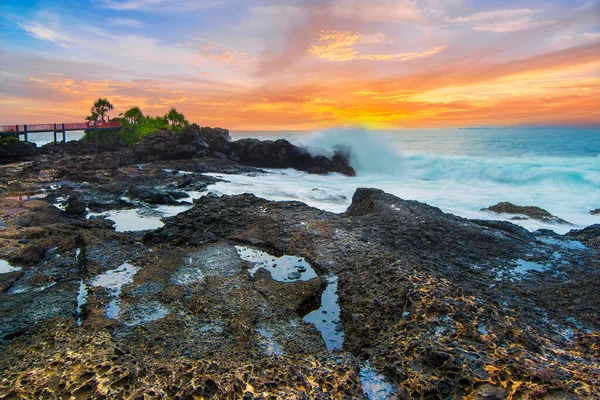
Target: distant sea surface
<point>457,170</point>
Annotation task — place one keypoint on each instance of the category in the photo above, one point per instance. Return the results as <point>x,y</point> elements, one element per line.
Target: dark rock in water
<point>14,150</point>
<point>530,211</point>
<point>75,206</point>
<point>152,196</point>
<point>282,154</point>
<point>196,142</point>
<point>596,211</point>
<point>294,275</point>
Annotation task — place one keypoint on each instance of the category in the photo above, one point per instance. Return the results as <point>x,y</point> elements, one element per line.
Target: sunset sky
<point>304,64</point>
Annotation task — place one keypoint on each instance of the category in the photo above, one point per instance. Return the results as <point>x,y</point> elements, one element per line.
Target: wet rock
<point>153,195</point>
<point>294,275</point>
<point>75,206</point>
<point>530,211</point>
<point>595,212</point>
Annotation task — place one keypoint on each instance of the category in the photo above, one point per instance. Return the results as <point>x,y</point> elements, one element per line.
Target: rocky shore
<point>240,297</point>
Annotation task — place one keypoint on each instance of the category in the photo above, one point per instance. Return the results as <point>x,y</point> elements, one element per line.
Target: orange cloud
<point>337,46</point>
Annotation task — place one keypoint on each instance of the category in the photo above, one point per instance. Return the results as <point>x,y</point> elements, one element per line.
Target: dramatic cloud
<point>337,46</point>
<point>304,64</point>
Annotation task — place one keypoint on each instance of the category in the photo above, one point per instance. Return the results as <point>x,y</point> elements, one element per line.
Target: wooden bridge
<point>56,128</point>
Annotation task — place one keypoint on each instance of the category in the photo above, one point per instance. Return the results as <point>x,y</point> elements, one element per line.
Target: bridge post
<point>54,133</point>
<point>25,132</point>
<point>64,141</point>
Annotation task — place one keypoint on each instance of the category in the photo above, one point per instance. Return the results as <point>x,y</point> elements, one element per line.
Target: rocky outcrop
<point>443,306</point>
<point>168,145</point>
<point>282,154</point>
<point>595,212</point>
<point>530,211</point>
<point>16,150</point>
<point>196,142</point>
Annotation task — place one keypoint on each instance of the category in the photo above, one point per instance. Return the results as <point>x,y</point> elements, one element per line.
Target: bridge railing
<point>57,127</point>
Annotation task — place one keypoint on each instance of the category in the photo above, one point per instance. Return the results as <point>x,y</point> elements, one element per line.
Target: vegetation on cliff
<point>134,124</point>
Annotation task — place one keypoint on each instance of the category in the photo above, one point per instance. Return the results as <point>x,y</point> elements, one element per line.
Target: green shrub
<point>6,139</point>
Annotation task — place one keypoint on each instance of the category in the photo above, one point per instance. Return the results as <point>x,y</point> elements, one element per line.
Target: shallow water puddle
<point>567,244</point>
<point>283,269</point>
<point>270,346</point>
<point>374,383</point>
<point>179,172</point>
<point>139,219</point>
<point>528,266</point>
<point>130,219</point>
<point>5,267</point>
<point>291,269</point>
<point>148,312</point>
<point>81,301</point>
<point>27,196</point>
<point>114,280</point>
<point>327,317</point>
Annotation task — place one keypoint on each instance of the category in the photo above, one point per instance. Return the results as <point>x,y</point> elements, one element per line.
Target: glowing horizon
<point>295,65</point>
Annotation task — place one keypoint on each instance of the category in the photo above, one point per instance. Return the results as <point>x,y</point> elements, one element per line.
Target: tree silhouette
<point>175,119</point>
<point>134,115</point>
<point>99,110</point>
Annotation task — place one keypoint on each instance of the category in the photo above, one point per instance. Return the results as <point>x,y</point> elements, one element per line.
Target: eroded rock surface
<point>438,305</point>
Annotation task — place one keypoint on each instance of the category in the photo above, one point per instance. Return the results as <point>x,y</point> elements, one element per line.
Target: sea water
<point>460,171</point>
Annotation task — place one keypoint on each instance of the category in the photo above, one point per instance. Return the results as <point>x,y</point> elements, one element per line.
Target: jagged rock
<point>596,211</point>
<point>530,211</point>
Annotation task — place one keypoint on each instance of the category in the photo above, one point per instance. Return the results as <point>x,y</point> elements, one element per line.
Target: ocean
<point>460,171</point>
